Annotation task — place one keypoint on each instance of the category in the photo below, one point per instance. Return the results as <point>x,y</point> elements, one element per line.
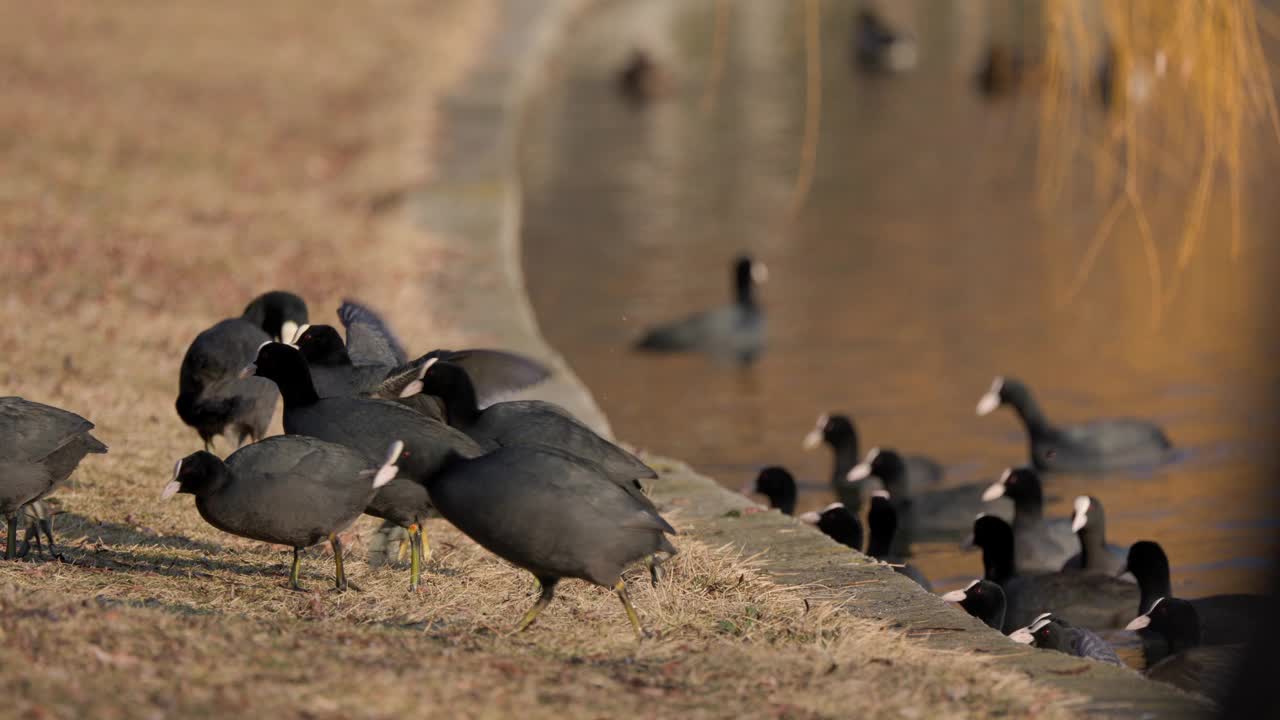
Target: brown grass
<point>164,163</point>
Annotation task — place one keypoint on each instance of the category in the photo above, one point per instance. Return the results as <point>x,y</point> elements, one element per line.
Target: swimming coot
<point>1224,619</point>
<point>838,433</point>
<point>1042,545</point>
<point>1089,522</point>
<point>1098,445</point>
<point>1189,664</point>
<point>837,523</point>
<point>882,526</point>
<point>289,490</point>
<point>40,446</point>
<point>982,599</point>
<point>553,514</point>
<point>944,513</point>
<point>879,48</point>
<point>734,332</point>
<point>368,425</point>
<point>776,484</point>
<point>1048,632</point>
<point>1089,600</point>
<point>212,397</point>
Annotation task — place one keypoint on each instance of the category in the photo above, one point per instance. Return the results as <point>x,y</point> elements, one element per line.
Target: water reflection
<point>918,269</point>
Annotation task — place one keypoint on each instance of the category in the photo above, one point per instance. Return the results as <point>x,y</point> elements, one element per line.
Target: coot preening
<point>838,433</point>
<point>40,446</point>
<point>368,425</point>
<point>983,600</point>
<point>879,48</point>
<point>553,514</point>
<point>524,422</point>
<point>882,526</point>
<point>1090,600</point>
<point>733,332</point>
<point>1190,664</point>
<point>496,373</point>
<point>837,523</point>
<point>212,397</point>
<point>1097,445</point>
<point>1042,545</point>
<point>1048,632</point>
<point>942,513</point>
<point>776,484</point>
<point>1224,619</point>
<point>1089,523</point>
<point>289,490</point>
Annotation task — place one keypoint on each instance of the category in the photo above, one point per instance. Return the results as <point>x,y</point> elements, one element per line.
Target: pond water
<point>919,267</point>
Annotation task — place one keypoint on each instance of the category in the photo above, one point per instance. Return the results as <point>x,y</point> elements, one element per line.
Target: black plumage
<point>40,446</point>
<point>290,490</point>
<point>212,397</point>
<point>1048,632</point>
<point>733,332</point>
<point>983,600</point>
<point>553,514</point>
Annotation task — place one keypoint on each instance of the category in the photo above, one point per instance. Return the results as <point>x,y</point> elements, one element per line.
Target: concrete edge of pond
<point>475,206</point>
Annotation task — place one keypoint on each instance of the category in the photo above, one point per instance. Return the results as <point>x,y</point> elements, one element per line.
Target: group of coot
<point>1050,581</point>
<point>372,430</point>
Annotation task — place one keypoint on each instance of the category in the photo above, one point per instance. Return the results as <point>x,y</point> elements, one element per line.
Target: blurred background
<point>1075,194</point>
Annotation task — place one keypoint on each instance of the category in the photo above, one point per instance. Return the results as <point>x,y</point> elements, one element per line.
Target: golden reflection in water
<point>919,268</point>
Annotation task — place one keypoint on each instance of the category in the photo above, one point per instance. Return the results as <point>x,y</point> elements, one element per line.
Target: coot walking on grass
<point>289,490</point>
<point>553,514</point>
<point>1049,632</point>
<point>1097,445</point>
<point>212,397</point>
<point>733,332</point>
<point>40,446</point>
<point>368,425</point>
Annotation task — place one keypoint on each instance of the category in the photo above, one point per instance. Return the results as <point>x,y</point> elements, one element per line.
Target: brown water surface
<point>919,268</point>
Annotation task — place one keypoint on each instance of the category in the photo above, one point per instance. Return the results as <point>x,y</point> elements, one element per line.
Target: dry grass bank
<point>165,162</point>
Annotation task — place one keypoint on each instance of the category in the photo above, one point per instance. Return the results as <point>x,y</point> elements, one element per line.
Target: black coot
<point>1097,445</point>
<point>945,513</point>
<point>382,367</point>
<point>1224,619</point>
<point>1088,600</point>
<point>40,446</point>
<point>982,599</point>
<point>879,48</point>
<point>1048,632</point>
<point>1089,522</point>
<point>1043,545</point>
<point>368,425</point>
<point>837,523</point>
<point>553,514</point>
<point>289,490</point>
<point>524,422</point>
<point>212,397</point>
<point>733,332</point>
<point>838,433</point>
<point>1190,664</point>
<point>776,484</point>
<point>882,526</point>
